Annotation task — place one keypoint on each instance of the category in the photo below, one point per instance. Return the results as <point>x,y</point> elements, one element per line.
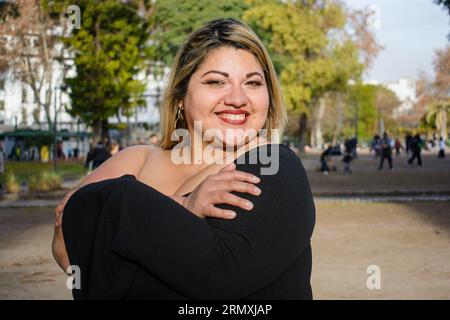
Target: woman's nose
<point>236,97</point>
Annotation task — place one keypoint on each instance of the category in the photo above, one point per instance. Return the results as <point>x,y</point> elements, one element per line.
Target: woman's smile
<point>233,117</point>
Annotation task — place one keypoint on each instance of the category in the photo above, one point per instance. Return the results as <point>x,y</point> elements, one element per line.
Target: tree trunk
<point>105,130</point>
<point>317,134</point>
<point>337,132</point>
<point>441,123</point>
<point>97,131</point>
<point>303,127</point>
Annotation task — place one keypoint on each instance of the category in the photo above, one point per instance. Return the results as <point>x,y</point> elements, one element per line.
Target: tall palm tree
<point>438,115</point>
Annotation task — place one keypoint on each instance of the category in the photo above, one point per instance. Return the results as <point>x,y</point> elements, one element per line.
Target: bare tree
<point>362,24</point>
<point>31,51</point>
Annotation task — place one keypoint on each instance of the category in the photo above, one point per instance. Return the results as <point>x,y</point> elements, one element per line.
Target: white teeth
<point>233,116</point>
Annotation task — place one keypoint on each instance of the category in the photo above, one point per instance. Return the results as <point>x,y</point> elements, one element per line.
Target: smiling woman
<point>224,77</point>
<point>143,226</point>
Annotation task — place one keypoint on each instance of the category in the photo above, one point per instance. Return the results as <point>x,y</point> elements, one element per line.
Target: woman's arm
<point>218,190</point>
<point>209,259</point>
<point>217,258</point>
<point>127,161</point>
<point>59,249</point>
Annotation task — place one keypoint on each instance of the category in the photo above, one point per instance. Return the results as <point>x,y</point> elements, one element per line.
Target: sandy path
<point>27,268</point>
<point>410,242</point>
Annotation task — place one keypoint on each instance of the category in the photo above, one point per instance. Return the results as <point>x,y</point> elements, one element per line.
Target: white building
<point>405,90</point>
<point>18,111</point>
<point>18,106</point>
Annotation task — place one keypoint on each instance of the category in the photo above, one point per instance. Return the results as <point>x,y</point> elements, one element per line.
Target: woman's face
<point>228,93</point>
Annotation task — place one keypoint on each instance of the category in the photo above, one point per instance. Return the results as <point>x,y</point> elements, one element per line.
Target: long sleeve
<point>211,258</point>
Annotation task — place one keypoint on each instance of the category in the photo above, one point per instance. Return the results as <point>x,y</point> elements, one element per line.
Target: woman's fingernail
<point>248,204</point>
<point>257,190</point>
<point>256,179</point>
<point>232,214</point>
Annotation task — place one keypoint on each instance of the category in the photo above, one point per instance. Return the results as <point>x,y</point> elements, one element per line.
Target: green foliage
<point>362,97</point>
<point>45,181</point>
<point>110,49</point>
<point>175,19</point>
<point>305,40</point>
<point>436,116</point>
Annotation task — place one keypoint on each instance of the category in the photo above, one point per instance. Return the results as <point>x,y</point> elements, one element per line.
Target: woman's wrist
<point>179,199</point>
<point>183,201</point>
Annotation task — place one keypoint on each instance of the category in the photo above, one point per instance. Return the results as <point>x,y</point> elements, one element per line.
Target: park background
<point>73,73</point>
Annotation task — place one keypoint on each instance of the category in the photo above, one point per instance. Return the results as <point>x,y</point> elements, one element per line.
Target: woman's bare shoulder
<point>127,161</point>
<point>139,152</point>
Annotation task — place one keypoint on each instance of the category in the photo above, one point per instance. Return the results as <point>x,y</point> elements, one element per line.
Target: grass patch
<point>23,170</point>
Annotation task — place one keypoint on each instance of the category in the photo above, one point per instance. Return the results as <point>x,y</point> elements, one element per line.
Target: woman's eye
<point>214,82</point>
<point>255,83</point>
<point>217,83</point>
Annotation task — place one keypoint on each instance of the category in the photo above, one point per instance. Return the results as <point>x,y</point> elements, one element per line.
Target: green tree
<point>361,113</point>
<point>437,117</point>
<point>173,20</point>
<point>313,51</point>
<point>434,95</point>
<point>385,103</point>
<point>110,50</point>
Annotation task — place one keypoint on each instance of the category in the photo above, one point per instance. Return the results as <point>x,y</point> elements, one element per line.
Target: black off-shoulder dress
<point>132,242</point>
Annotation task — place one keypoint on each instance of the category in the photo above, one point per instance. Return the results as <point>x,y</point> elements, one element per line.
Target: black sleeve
<point>217,258</point>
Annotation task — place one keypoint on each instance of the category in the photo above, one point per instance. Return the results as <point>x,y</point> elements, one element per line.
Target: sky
<point>410,31</point>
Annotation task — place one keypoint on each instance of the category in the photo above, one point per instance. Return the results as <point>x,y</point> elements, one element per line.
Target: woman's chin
<point>235,142</point>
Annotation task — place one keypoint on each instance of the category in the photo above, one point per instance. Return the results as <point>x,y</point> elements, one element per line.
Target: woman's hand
<point>217,188</point>
<point>60,208</point>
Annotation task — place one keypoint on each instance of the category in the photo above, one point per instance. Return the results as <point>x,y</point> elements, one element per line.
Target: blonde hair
<point>196,48</point>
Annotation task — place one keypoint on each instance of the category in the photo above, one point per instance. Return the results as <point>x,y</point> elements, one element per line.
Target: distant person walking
<point>76,153</point>
<point>398,146</point>
<point>97,155</point>
<point>376,145</point>
<point>324,161</point>
<point>352,147</point>
<point>408,140</point>
<point>59,151</point>
<point>348,158</point>
<point>441,154</point>
<point>386,151</point>
<point>416,149</point>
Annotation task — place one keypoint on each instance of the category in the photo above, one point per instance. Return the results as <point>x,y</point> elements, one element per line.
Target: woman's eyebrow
<point>248,75</point>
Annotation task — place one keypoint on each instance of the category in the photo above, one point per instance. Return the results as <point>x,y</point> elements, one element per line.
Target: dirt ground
<point>433,176</point>
<point>409,242</point>
<point>27,268</point>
